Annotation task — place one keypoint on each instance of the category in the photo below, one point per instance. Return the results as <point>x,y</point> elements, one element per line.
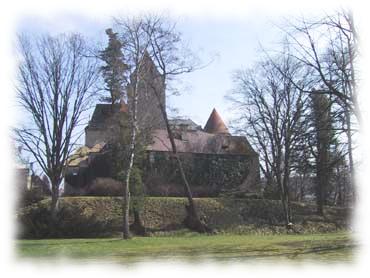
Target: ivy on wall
<point>208,174</point>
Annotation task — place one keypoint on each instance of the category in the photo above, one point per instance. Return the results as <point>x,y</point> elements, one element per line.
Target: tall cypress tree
<point>322,122</point>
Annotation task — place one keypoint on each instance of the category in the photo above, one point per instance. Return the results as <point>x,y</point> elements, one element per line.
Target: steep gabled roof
<point>215,124</point>
<point>187,124</point>
<point>148,69</point>
<point>102,113</point>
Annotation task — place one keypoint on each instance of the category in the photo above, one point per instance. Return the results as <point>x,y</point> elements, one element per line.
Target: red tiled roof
<point>215,124</point>
<point>200,142</point>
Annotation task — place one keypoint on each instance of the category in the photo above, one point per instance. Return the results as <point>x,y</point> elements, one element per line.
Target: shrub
<point>105,187</point>
<point>102,216</point>
<point>137,189</point>
<point>28,197</point>
<point>76,217</point>
<point>271,193</point>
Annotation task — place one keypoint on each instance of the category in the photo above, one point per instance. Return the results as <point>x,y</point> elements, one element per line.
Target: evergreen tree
<point>322,122</point>
<point>114,69</point>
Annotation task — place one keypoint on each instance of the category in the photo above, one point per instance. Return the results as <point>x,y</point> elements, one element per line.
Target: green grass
<point>331,247</point>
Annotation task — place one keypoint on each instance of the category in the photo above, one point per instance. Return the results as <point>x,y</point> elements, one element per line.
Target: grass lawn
<point>190,247</point>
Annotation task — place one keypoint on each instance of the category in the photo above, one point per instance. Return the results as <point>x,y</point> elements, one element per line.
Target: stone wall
<point>78,179</point>
<point>208,174</point>
<point>94,136</point>
<point>22,179</point>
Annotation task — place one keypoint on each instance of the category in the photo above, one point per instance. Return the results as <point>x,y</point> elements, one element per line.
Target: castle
<point>214,161</point>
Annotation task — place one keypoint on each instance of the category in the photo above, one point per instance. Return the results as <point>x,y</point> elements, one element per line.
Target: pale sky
<point>231,42</point>
<point>230,36</point>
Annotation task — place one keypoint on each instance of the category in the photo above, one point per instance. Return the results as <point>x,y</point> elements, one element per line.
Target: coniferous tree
<point>114,69</point>
<point>322,123</point>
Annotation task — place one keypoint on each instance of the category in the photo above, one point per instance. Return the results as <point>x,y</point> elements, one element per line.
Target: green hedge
<point>102,216</point>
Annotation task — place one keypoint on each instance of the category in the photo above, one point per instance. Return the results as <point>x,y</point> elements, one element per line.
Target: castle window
<point>183,127</point>
<point>151,158</point>
<point>184,137</point>
<point>177,135</point>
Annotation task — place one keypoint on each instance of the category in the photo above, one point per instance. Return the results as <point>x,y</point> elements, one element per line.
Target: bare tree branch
<point>55,86</point>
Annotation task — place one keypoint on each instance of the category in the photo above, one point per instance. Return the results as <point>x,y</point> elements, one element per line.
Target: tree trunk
<point>284,202</point>
<point>350,156</point>
<point>322,123</point>
<point>138,226</point>
<point>281,180</point>
<point>319,197</point>
<point>322,178</point>
<point>126,197</point>
<point>126,211</point>
<point>53,205</point>
<point>192,221</point>
<point>286,183</point>
<point>54,198</point>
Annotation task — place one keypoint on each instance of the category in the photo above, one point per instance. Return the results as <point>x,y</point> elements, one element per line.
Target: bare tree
<point>173,59</point>
<point>55,86</point>
<point>159,42</point>
<point>135,43</point>
<point>271,113</point>
<point>329,47</point>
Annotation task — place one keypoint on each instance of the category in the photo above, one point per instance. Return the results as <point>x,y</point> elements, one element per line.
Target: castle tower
<point>150,84</point>
<point>215,124</point>
<point>102,126</point>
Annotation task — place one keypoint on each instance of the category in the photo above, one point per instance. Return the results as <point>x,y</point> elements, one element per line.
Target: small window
<point>225,144</point>
<point>177,135</point>
<point>225,147</point>
<point>151,158</point>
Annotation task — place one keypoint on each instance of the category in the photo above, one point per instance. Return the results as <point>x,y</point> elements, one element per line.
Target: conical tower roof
<point>215,124</point>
